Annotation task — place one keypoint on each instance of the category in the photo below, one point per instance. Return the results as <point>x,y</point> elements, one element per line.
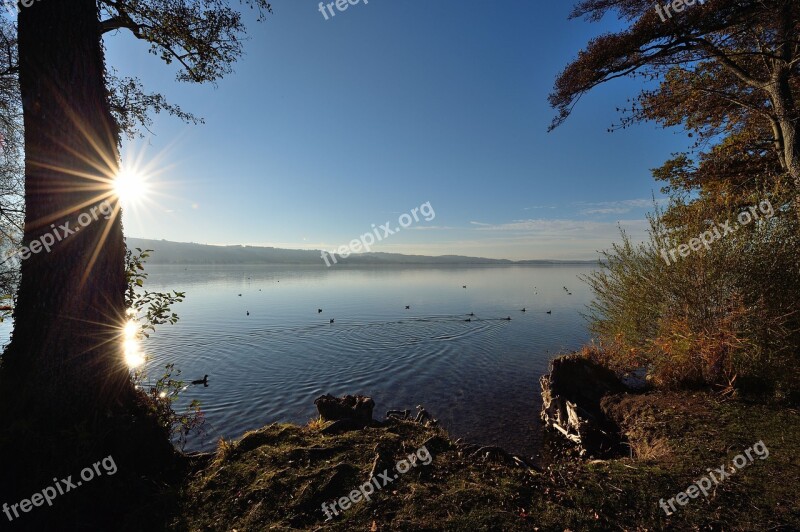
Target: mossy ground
<point>276,478</point>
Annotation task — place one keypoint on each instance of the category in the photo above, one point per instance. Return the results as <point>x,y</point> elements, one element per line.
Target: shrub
<point>148,309</point>
<point>725,316</point>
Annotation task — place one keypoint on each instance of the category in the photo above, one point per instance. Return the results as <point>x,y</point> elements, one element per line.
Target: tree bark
<point>780,91</point>
<point>66,397</point>
<point>70,305</point>
<point>788,118</point>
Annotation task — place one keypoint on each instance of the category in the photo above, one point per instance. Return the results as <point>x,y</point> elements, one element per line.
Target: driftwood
<point>342,425</point>
<point>571,395</point>
<point>382,461</point>
<point>493,454</point>
<point>422,417</point>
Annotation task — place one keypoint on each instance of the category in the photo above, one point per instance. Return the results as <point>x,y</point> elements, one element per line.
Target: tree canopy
<point>727,71</point>
<point>202,36</point>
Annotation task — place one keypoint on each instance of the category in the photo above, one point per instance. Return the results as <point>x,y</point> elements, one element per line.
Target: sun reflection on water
<point>134,356</point>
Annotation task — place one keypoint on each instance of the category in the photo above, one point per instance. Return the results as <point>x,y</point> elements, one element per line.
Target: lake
<point>479,378</point>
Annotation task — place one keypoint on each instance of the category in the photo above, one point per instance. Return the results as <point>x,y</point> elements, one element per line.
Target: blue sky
<point>329,126</point>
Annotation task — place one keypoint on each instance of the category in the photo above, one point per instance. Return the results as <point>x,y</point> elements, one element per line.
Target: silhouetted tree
<point>131,106</point>
<point>64,369</point>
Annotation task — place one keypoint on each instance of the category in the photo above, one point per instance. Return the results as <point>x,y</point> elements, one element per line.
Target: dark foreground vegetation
<point>279,476</point>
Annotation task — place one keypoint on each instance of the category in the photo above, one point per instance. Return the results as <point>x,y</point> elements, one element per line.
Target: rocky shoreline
<point>620,451</point>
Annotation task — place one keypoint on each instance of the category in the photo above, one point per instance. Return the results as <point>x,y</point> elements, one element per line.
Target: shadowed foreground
<point>279,476</point>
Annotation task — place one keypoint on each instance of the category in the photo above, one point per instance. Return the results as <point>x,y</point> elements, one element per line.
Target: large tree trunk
<point>786,124</point>
<point>789,120</point>
<point>783,99</point>
<point>788,116</point>
<point>71,299</point>
<point>66,398</point>
<point>794,171</point>
<point>792,151</point>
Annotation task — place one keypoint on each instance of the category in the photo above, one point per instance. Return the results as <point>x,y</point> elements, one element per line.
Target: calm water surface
<point>479,378</point>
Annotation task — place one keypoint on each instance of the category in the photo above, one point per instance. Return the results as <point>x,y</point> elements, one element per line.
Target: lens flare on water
<point>132,347</point>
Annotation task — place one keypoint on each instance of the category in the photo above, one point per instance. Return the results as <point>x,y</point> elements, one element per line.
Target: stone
<point>355,408</point>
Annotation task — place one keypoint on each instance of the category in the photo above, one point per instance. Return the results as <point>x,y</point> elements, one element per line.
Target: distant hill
<point>167,252</point>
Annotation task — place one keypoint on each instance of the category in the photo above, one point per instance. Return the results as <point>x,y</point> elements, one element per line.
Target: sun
<point>130,186</point>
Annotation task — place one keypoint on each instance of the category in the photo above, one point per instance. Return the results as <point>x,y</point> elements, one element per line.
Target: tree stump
<point>356,408</point>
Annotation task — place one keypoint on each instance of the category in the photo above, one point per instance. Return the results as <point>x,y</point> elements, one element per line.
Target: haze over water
<point>479,378</point>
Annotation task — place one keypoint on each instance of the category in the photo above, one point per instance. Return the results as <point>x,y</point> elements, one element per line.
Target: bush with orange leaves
<point>726,318</point>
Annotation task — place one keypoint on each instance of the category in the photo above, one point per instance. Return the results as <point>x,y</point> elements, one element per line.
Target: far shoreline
<point>183,253</point>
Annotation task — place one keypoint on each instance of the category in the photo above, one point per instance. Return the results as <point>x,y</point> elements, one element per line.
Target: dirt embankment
<point>279,477</point>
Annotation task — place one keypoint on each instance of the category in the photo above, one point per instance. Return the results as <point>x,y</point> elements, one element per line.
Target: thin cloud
<point>556,229</point>
<point>618,207</point>
<point>607,210</point>
<point>430,227</point>
<point>533,239</point>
